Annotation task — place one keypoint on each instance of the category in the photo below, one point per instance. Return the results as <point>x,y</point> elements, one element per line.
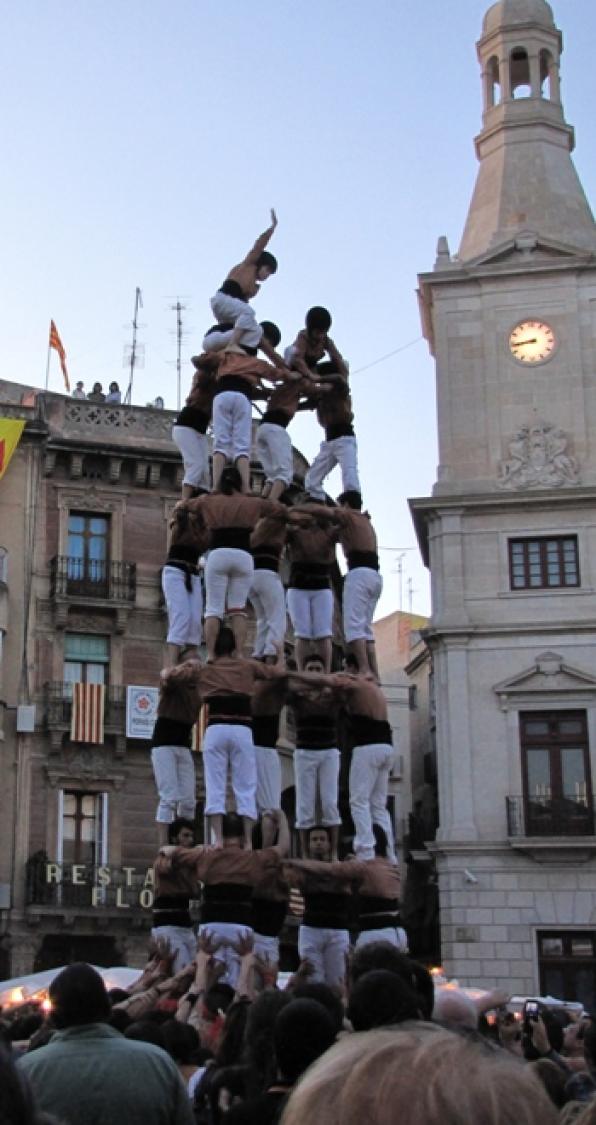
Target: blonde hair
<point>417,1074</point>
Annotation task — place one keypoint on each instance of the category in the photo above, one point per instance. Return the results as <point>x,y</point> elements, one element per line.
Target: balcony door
<point>556,773</point>
<point>88,554</point>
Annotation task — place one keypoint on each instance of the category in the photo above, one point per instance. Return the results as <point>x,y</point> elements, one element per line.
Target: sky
<point>144,143</point>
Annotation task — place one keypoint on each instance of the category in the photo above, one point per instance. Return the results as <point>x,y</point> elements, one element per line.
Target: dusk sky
<point>143,144</point>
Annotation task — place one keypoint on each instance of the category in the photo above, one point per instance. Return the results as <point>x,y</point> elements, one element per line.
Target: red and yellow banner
<point>10,433</point>
<point>56,343</point>
<point>86,723</point>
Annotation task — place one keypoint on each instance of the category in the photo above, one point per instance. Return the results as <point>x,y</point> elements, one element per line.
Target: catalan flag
<point>86,723</point>
<point>10,433</point>
<point>56,343</point>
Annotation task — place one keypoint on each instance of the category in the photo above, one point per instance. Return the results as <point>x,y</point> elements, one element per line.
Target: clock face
<point>532,341</point>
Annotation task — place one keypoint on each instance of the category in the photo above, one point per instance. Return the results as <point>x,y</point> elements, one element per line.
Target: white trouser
<point>311,613</point>
<point>231,310</point>
<point>229,744</point>
<point>327,951</point>
<point>232,424</point>
<point>266,947</point>
<point>215,341</point>
<point>269,603</point>
<point>362,590</point>
<point>174,773</point>
<point>316,769</point>
<point>369,784</point>
<point>274,449</point>
<point>185,607</point>
<point>268,779</point>
<point>228,575</point>
<point>182,942</point>
<point>228,933</point>
<point>341,451</point>
<point>394,935</point>
<point>194,450</point>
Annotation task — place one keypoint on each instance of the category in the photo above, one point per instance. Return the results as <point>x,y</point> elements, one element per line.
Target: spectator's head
<point>230,480</point>
<point>232,828</point>
<point>323,994</point>
<point>383,955</point>
<point>230,1045</point>
<point>16,1100</point>
<point>421,1074</point>
<point>266,265</point>
<point>318,323</point>
<point>80,385</point>
<point>97,389</point>
<point>553,1078</point>
<point>303,1031</point>
<point>181,832</point>
<point>180,1041</point>
<point>117,995</point>
<point>380,998</point>
<point>455,1009</point>
<point>78,996</point>
<point>271,332</point>
<point>211,1013</point>
<point>258,1038</point>
<point>225,642</point>
<point>114,388</point>
<point>319,844</point>
<point>146,1031</point>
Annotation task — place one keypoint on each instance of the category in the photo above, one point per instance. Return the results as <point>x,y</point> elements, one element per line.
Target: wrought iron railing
<point>550,816</point>
<point>59,706</point>
<point>92,578</point>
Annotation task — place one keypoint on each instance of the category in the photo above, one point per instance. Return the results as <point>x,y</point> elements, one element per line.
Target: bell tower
<point>509,533</point>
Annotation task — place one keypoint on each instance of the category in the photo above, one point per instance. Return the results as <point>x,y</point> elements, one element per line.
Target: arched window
<point>493,85</point>
<point>547,75</point>
<point>519,68</point>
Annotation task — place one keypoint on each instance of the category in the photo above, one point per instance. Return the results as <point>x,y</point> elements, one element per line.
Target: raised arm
<point>337,358</point>
<point>262,241</point>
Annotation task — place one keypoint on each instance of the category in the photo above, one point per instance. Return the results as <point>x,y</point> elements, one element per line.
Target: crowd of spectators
<point>185,1048</point>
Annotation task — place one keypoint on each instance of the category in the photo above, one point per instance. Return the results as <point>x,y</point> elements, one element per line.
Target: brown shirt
<point>179,693</point>
<point>188,530</point>
<point>312,534</point>
<point>232,675</point>
<point>269,696</point>
<point>181,872</point>
<point>286,397</point>
<point>270,531</point>
<point>245,273</point>
<point>219,510</point>
<point>356,532</point>
<point>246,367</point>
<point>201,393</point>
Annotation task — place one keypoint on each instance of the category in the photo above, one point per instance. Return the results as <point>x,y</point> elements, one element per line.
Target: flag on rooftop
<point>56,342</point>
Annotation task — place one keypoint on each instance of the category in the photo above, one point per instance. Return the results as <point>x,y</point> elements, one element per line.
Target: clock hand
<point>522,342</point>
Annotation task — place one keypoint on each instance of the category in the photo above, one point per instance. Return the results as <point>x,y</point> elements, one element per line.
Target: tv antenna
<point>136,356</point>
<point>178,308</point>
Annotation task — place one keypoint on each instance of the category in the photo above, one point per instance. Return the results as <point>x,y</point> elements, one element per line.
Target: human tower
<point>245,539</point>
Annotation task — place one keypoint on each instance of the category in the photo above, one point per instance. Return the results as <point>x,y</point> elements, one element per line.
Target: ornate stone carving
<point>538,458</point>
<point>96,416</point>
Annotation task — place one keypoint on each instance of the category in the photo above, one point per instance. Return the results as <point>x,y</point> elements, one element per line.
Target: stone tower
<point>510,536</point>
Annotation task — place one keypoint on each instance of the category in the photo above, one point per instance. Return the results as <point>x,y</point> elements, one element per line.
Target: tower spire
<point>527,183</point>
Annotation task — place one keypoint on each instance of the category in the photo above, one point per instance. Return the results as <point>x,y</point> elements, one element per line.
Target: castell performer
<point>239,380</point>
<point>171,908</point>
<point>363,583</point>
<point>171,758</point>
<point>274,447</point>
<point>311,538</point>
<point>229,516</point>
<point>377,900</point>
<point>228,874</point>
<point>372,759</point>
<point>189,432</point>
<point>181,583</point>
<point>271,895</point>
<point>230,304</point>
<point>267,594</point>
<point>324,937</point>
<point>316,706</point>
<point>312,344</point>
<point>266,705</point>
<point>226,685</point>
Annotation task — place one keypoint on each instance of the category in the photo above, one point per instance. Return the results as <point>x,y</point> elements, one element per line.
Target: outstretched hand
<point>244,945</point>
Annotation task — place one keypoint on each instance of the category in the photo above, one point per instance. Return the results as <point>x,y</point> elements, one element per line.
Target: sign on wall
<point>141,711</point>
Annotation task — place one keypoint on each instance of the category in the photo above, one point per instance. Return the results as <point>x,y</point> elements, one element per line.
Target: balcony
<point>58,701</point>
<point>537,823</point>
<point>75,581</point>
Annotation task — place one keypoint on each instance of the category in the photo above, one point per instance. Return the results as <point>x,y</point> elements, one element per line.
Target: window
<point>88,554</point>
<point>547,563</point>
<point>82,828</point>
<point>556,774</point>
<point>86,659</point>
<point>3,564</point>
<point>567,965</point>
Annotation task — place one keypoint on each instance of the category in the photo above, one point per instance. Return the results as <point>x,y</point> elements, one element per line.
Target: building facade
<point>509,534</point>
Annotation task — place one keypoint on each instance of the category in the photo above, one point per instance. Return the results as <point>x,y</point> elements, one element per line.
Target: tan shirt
<point>286,396</point>
<point>312,534</point>
<point>356,532</point>
<point>181,872</point>
<point>232,675</point>
<point>246,367</point>
<point>238,510</point>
